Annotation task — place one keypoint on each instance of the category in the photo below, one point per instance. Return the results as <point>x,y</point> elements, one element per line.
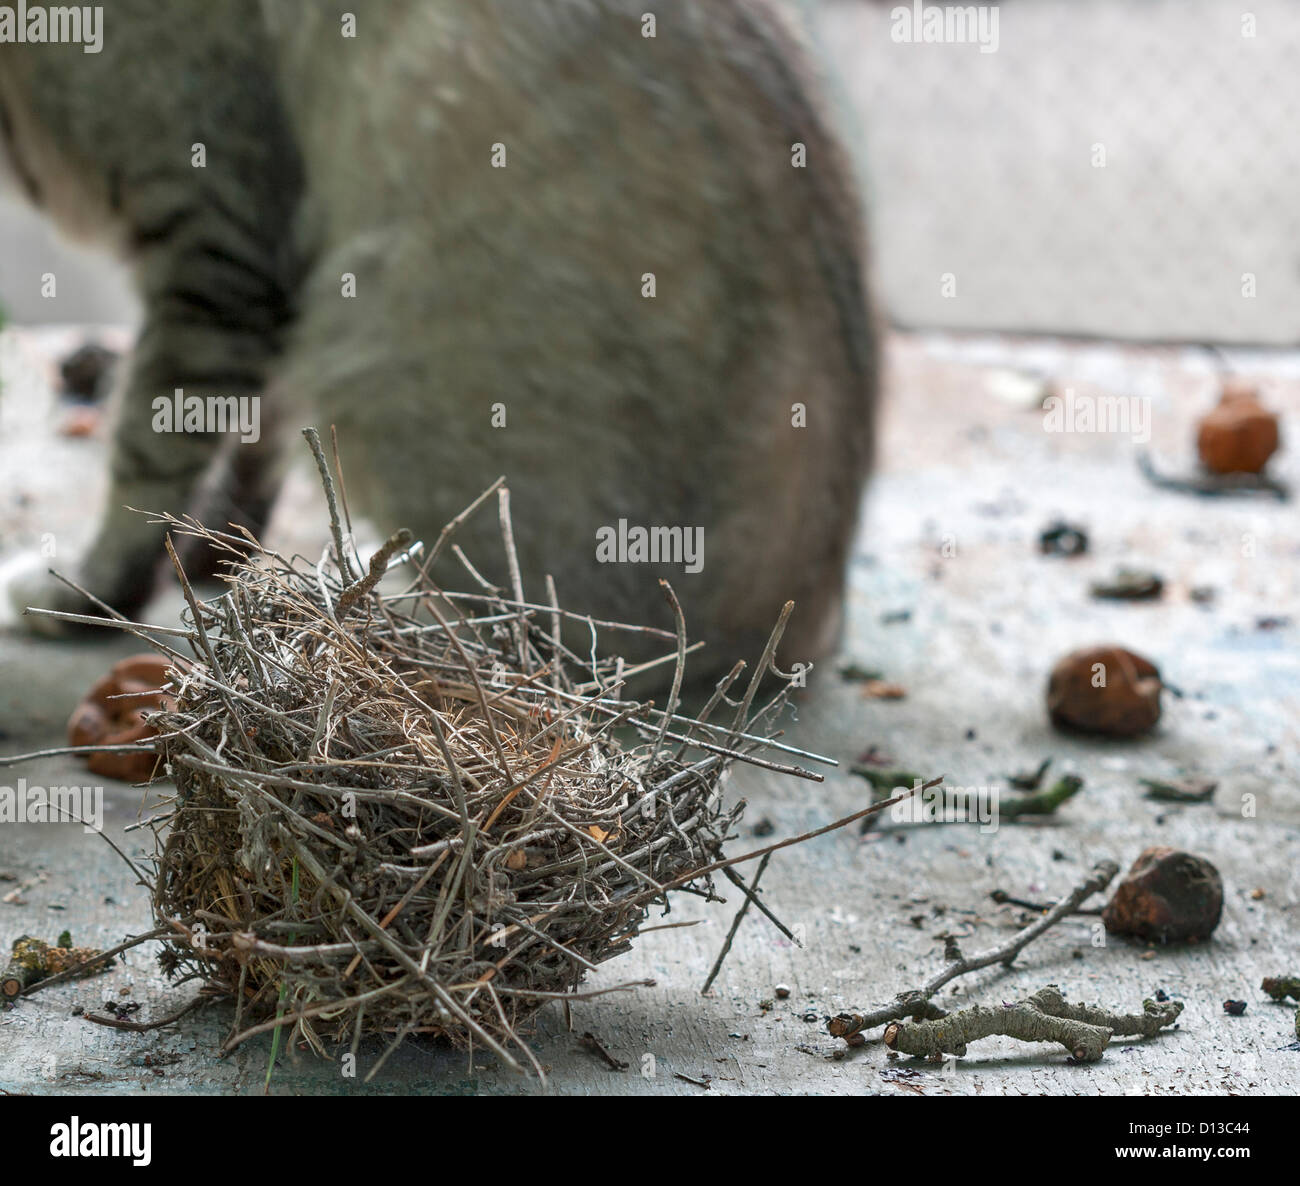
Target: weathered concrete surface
<point>988,616</point>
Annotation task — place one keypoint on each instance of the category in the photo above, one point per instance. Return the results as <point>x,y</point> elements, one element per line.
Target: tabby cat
<point>609,249</point>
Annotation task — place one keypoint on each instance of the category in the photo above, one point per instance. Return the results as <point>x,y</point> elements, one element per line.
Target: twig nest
<point>115,711</point>
<point>1106,690</point>
<point>1240,434</point>
<point>1167,896</point>
<point>420,812</point>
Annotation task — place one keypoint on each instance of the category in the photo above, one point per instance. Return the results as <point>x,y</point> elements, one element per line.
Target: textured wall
<point>982,166</point>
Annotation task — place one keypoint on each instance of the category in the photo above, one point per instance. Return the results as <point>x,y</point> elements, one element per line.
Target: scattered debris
<point>114,713</point>
<point>855,673</point>
<point>917,1003</point>
<point>1130,584</point>
<point>1234,1008</point>
<point>1182,790</point>
<point>154,1061</point>
<point>15,896</point>
<point>879,689</point>
<point>1202,594</point>
<point>1167,896</point>
<point>958,804</point>
<point>1281,987</point>
<point>1002,898</point>
<point>120,1016</point>
<point>81,421</point>
<point>895,615</point>
<point>1042,802</point>
<point>1106,690</point>
<point>1212,485</point>
<point>1020,388</point>
<point>589,1041</point>
<point>87,372</point>
<point>122,1010</point>
<point>873,756</point>
<point>1046,1016</point>
<point>33,960</point>
<point>886,782</point>
<point>1060,538</point>
<point>1240,434</point>
<point>1029,780</point>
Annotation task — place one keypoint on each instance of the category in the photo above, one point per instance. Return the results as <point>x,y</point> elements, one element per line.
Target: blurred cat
<point>613,255</point>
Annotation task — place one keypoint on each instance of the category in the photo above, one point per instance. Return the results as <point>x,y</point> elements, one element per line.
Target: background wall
<point>981,166</point>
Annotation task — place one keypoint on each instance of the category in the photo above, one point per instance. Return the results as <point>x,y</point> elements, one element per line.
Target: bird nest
<point>418,811</point>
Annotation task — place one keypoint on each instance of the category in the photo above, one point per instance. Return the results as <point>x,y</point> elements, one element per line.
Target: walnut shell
<point>1104,689</point>
<point>1239,435</point>
<point>1167,896</point>
<point>113,713</point>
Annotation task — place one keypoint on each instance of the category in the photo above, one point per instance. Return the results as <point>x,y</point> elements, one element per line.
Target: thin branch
<point>916,1002</point>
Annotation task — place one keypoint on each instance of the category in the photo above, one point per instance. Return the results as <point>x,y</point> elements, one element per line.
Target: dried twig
<point>1046,1016</point>
<point>592,1043</point>
<point>143,1027</point>
<point>916,1003</point>
<point>735,924</point>
<point>1213,485</point>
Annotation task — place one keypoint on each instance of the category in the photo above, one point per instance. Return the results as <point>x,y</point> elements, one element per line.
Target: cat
<point>616,255</point>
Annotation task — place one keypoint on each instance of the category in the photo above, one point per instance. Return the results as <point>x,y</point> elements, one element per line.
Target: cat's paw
<point>29,584</point>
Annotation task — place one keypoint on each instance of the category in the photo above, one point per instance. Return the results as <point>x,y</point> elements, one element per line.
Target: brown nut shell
<point>1239,435</point>
<point>1167,896</point>
<point>1106,690</point>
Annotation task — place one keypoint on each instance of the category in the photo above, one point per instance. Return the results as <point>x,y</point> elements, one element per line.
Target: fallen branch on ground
<point>1281,987</point>
<point>916,1003</point>
<point>1212,485</point>
<point>1046,1016</point>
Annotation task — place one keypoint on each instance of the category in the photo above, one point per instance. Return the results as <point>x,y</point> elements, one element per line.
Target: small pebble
<point>782,992</point>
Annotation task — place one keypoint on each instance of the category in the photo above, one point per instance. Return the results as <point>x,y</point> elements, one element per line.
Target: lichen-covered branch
<point>1281,987</point>
<point>1046,1016</point>
<point>34,960</point>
